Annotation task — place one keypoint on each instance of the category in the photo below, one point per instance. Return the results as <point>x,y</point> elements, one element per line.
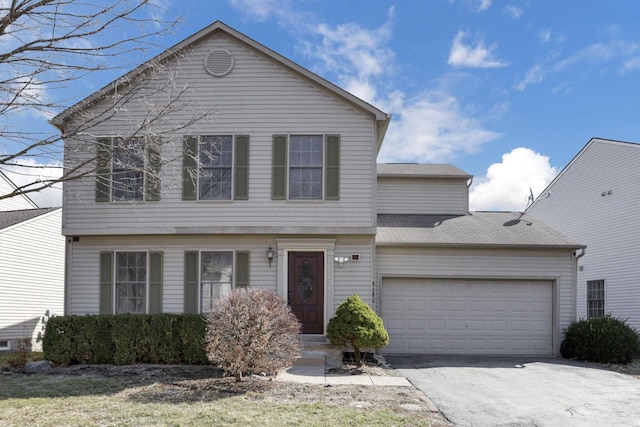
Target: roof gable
<point>212,30</point>
<point>613,144</point>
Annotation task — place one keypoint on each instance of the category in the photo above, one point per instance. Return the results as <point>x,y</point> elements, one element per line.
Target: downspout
<point>575,282</point>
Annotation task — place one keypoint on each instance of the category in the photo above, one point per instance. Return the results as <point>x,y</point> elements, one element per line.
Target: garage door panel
<point>451,316</point>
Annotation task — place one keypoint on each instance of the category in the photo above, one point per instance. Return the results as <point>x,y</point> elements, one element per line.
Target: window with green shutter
<point>106,283</point>
<point>305,167</point>
<point>155,282</point>
<point>191,282</point>
<point>128,169</point>
<point>215,167</point>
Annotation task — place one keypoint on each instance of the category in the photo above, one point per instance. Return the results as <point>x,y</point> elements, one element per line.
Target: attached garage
<point>462,316</point>
<point>486,283</point>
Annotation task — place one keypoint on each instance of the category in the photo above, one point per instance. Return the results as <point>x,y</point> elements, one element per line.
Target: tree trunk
<point>356,356</point>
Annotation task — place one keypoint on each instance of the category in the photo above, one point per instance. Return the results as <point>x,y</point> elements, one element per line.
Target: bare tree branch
<point>46,47</point>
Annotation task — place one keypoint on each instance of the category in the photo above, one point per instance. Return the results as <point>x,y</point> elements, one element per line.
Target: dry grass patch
<point>197,395</point>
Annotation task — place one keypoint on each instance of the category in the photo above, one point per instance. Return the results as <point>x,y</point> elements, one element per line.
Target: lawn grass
<point>80,400</point>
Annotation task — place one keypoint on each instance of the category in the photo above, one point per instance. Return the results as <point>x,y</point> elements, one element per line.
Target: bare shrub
<point>252,331</point>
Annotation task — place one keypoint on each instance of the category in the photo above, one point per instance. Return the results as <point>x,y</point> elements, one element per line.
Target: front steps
<point>318,349</point>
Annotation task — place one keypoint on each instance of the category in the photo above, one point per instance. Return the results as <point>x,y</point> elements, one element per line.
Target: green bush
<point>355,323</point>
<point>125,339</point>
<point>602,340</point>
<point>252,331</point>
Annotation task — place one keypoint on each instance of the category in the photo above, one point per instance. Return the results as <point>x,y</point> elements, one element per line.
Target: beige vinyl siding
<point>422,196</point>
<point>257,99</point>
<point>553,265</point>
<point>607,224</point>
<point>84,256</point>
<point>32,276</point>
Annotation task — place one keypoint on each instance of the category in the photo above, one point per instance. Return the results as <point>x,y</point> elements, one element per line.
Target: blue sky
<point>508,91</point>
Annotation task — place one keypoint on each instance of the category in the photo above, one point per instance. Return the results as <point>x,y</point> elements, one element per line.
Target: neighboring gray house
<point>31,268</point>
<point>284,193</point>
<point>595,200</point>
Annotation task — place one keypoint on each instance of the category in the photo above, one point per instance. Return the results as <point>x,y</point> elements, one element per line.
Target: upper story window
<point>306,167</point>
<point>215,167</point>
<point>215,154</point>
<point>595,299</point>
<point>128,169</point>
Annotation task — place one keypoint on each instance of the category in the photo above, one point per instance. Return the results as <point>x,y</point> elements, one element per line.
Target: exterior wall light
<point>341,260</point>
<point>270,255</point>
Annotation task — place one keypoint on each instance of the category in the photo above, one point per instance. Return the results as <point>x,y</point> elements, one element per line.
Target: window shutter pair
<point>103,171</point>
<point>107,282</point>
<point>280,168</point>
<point>191,274</point>
<point>240,168</point>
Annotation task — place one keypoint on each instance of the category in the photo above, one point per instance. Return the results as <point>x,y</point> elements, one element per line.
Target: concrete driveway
<point>522,391</point>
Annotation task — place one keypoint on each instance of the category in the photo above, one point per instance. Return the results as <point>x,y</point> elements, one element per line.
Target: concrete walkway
<point>310,370</point>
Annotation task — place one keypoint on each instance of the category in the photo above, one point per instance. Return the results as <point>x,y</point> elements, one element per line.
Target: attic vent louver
<point>218,62</point>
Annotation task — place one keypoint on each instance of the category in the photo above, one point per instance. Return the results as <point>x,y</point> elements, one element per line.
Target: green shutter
<point>332,173</point>
<point>279,163</point>
<point>155,282</point>
<point>103,171</point>
<point>106,283</point>
<point>242,168</point>
<point>242,269</point>
<point>154,163</point>
<point>191,282</point>
<point>189,168</point>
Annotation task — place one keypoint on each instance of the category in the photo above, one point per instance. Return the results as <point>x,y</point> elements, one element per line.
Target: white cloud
<point>631,64</point>
<point>506,184</point>
<point>514,12</point>
<point>534,75</point>
<point>484,5</point>
<point>477,56</point>
<point>544,36</point>
<point>599,52</point>
<point>261,10</point>
<point>355,54</point>
<point>30,172</point>
<point>431,128</point>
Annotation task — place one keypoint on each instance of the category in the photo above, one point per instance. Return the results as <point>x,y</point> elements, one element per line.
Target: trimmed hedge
<point>602,340</point>
<point>125,339</point>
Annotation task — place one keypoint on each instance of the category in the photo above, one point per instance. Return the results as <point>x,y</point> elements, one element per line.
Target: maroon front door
<point>306,289</point>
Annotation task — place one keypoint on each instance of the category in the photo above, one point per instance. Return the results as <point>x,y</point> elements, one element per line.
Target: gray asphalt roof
<point>9,218</point>
<point>411,170</point>
<point>479,229</point>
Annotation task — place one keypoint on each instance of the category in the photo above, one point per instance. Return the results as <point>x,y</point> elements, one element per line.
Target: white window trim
<point>324,166</point>
<point>145,166</point>
<point>604,297</point>
<point>115,280</point>
<point>6,346</point>
<point>233,169</point>
<point>233,272</point>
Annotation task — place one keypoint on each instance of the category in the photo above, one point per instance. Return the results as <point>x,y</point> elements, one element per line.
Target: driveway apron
<point>521,391</point>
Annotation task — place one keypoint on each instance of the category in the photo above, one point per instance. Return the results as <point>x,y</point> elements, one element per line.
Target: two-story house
<point>279,188</point>
<point>595,199</point>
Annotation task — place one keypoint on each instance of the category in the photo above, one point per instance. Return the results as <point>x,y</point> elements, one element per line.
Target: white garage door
<point>450,316</point>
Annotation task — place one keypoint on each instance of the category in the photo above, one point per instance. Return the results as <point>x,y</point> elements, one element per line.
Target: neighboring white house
<point>31,274</point>
<point>595,200</point>
<point>280,190</point>
<point>19,201</point>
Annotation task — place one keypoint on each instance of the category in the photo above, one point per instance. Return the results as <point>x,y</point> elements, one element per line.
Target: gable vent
<point>218,62</point>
